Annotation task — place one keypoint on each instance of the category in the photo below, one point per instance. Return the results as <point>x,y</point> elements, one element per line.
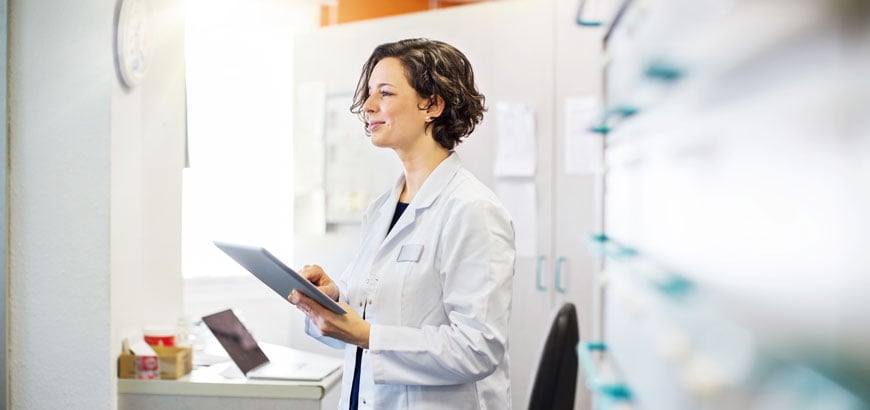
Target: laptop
<point>246,353</point>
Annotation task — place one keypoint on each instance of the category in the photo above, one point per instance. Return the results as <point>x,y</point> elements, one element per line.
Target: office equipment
<point>245,352</point>
<point>276,274</point>
<point>556,376</point>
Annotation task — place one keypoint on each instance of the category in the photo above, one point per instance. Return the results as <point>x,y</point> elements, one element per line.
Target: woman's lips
<point>374,125</point>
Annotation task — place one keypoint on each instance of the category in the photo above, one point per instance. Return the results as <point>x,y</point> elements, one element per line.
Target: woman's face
<point>392,112</point>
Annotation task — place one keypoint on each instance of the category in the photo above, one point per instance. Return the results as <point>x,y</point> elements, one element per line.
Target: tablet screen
<point>274,273</point>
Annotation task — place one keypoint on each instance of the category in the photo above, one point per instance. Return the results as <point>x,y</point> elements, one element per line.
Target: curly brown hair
<point>433,68</point>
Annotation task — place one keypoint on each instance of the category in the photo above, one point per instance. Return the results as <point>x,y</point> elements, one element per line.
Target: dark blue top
<point>354,391</point>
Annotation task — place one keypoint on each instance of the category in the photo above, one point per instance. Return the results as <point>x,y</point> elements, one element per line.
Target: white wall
<point>60,77</point>
<point>94,198</point>
<point>147,156</point>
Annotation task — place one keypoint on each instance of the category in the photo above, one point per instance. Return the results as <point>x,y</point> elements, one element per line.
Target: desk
<point>205,388</point>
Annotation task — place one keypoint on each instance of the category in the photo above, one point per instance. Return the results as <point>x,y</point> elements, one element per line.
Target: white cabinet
<point>562,269</point>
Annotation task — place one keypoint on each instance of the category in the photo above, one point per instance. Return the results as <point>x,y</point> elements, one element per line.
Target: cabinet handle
<point>582,21</point>
<point>538,271</point>
<point>559,287</point>
<point>612,391</point>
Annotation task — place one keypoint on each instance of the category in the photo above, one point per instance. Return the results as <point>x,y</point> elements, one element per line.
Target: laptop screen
<point>236,340</point>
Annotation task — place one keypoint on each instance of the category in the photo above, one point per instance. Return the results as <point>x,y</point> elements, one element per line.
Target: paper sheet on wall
<point>583,148</point>
<point>516,149</point>
<point>520,199</point>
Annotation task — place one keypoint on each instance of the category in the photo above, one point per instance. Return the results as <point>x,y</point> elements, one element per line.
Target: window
<point>239,183</point>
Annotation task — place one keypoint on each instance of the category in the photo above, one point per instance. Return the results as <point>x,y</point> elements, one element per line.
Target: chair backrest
<point>556,378</point>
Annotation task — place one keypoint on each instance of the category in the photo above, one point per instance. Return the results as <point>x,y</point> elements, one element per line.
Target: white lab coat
<point>437,293</point>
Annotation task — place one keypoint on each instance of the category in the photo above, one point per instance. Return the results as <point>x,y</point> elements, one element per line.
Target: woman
<point>429,293</point>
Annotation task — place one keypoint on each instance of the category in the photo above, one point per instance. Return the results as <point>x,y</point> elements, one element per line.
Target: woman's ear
<point>436,107</point>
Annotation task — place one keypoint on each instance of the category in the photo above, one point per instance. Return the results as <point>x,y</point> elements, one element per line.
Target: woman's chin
<point>379,142</point>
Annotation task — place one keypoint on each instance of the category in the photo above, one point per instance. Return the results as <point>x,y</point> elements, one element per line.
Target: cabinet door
<point>566,208</point>
<point>575,202</point>
<point>531,83</point>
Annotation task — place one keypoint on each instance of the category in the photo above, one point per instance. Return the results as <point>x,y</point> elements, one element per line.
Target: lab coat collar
<point>432,187</point>
<point>435,182</point>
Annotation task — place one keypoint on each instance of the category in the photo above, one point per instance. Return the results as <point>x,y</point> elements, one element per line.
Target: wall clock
<point>131,42</point>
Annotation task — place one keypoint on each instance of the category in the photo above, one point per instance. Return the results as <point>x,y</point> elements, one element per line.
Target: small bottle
<point>183,329</point>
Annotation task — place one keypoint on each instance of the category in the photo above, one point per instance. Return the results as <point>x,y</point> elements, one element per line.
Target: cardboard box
<point>174,362</point>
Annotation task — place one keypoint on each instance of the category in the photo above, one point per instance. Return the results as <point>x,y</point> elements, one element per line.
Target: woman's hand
<point>349,327</point>
<point>316,275</point>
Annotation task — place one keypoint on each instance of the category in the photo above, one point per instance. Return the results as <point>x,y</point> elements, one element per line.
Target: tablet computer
<point>276,274</point>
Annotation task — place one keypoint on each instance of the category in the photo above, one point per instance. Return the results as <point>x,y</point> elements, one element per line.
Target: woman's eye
<point>386,93</point>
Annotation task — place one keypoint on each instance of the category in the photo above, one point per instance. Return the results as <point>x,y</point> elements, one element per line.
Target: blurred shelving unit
<point>734,219</point>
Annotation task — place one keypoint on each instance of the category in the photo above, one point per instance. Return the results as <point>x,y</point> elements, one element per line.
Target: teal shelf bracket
<point>611,391</point>
<point>598,238</point>
<point>600,129</point>
<point>676,287</point>
<point>622,111</point>
<point>625,252</point>
<point>666,281</point>
<point>583,21</point>
<point>598,242</point>
<point>664,72</point>
<point>605,122</point>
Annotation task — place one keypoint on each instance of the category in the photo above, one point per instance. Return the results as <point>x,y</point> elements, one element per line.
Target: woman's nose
<point>369,105</point>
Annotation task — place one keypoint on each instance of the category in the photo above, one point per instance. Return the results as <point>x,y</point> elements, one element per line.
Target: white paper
<point>583,148</point>
<point>520,199</point>
<point>140,348</point>
<point>516,149</point>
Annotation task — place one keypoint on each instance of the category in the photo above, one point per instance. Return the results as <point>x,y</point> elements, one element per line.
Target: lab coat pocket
<point>421,293</point>
<point>410,253</point>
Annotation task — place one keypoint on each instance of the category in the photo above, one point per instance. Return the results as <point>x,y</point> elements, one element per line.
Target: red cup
<point>159,336</point>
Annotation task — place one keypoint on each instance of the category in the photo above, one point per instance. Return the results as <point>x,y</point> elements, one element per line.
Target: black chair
<point>556,378</point>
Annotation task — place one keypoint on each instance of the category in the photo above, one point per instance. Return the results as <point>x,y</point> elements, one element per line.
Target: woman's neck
<point>417,168</point>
